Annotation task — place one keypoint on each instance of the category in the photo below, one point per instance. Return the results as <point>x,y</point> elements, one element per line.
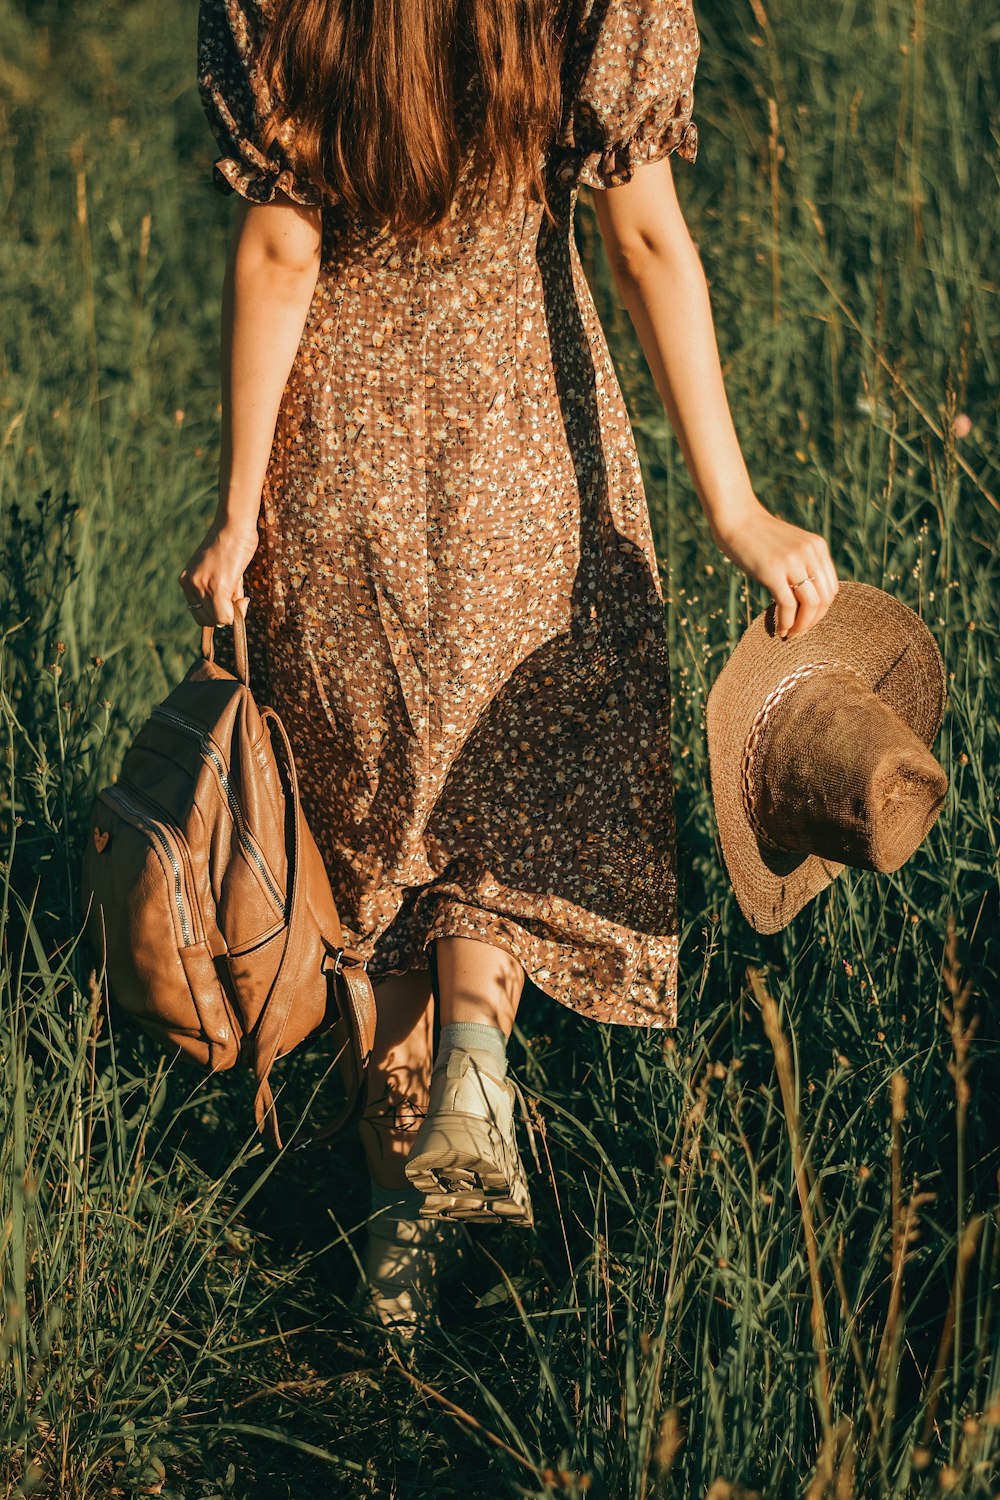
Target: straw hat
<point>818,749</point>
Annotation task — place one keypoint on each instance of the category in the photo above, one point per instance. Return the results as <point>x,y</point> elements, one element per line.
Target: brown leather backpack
<point>208,904</point>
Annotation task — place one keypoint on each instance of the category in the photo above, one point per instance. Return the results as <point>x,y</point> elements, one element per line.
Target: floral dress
<point>455,604</point>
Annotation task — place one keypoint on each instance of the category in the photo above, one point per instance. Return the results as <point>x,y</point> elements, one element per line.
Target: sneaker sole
<point>476,1206</point>
<point>469,1184</point>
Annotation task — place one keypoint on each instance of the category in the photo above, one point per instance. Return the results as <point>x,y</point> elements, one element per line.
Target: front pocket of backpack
<point>241,908</point>
<point>145,926</point>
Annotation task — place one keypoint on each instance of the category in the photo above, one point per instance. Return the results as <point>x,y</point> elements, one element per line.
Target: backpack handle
<point>239,645</point>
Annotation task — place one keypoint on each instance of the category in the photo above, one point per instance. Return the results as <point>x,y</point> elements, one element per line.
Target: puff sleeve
<point>236,101</point>
<point>629,89</point>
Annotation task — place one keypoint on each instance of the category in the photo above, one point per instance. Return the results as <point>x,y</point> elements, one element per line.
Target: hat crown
<point>832,770</point>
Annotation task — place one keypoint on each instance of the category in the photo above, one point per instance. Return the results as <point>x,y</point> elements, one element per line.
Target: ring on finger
<point>809,578</point>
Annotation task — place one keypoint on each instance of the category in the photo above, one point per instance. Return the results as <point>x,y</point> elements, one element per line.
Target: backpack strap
<point>357,1005</point>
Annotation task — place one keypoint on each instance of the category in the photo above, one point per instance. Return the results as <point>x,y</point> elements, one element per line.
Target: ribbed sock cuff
<point>394,1203</point>
<point>478,1035</point>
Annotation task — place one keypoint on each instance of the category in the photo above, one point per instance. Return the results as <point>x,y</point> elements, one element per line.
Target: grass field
<point>768,1246</point>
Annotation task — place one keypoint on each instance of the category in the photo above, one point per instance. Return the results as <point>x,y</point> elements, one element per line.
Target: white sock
<point>478,1035</point>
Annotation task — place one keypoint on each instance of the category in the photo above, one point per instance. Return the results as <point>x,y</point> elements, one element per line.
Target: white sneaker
<point>405,1262</point>
<point>464,1156</point>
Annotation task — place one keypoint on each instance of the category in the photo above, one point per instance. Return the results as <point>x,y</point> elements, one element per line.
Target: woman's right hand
<point>794,565</point>
<point>212,579</point>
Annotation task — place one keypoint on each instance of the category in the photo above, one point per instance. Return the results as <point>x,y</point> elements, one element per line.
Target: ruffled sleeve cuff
<point>259,184</point>
<point>616,164</point>
<point>235,102</point>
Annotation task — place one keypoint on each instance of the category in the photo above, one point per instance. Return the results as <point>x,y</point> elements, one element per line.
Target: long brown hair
<point>385,101</point>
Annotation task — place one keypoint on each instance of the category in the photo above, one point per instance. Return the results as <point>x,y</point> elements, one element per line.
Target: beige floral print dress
<point>455,603</point>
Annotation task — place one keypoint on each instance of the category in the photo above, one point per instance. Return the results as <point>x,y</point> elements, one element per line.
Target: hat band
<point>759,725</point>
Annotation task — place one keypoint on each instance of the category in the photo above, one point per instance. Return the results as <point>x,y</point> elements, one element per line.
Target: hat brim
<point>864,628</point>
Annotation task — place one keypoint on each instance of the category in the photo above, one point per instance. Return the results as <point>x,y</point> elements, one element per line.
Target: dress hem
<point>653,1022</point>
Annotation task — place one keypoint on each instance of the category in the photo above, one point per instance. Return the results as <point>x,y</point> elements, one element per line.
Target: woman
<point>430,491</point>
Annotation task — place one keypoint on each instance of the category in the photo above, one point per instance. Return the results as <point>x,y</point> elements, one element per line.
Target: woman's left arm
<point>660,276</point>
<point>271,272</point>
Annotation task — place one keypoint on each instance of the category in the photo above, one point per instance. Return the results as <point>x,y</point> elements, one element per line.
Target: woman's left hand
<point>793,564</point>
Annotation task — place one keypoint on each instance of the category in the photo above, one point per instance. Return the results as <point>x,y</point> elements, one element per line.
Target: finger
<point>785,609</point>
<point>821,568</point>
<point>822,579</point>
<point>827,590</point>
<point>809,605</point>
<point>242,603</point>
<point>829,573</point>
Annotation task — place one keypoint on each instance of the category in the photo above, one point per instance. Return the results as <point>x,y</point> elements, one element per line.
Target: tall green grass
<point>767,1252</point>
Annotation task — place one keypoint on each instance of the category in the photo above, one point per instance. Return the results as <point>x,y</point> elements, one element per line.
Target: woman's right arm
<point>271,272</point>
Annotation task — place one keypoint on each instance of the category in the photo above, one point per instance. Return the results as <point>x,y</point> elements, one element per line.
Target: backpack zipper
<point>136,813</point>
<point>242,833</point>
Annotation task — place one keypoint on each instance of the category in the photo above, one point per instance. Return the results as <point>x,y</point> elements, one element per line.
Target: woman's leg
<point>465,1156</point>
<point>478,982</point>
<point>403,1252</point>
<point>399,1074</point>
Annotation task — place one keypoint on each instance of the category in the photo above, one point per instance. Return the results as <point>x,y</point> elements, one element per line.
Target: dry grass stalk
<point>966,1250</point>
<point>834,1476</point>
<point>541,1127</point>
<point>962,1028</point>
<point>669,1442</point>
<point>786,1082</point>
<point>465,1418</point>
<point>905,1231</point>
<point>888,1351</point>
<point>721,1489</point>
<point>759,14</point>
<point>775,156</point>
